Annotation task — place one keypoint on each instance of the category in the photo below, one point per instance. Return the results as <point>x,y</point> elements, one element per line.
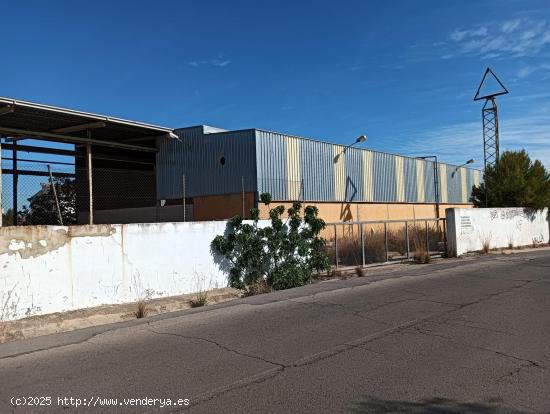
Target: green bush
<point>515,181</point>
<point>284,254</point>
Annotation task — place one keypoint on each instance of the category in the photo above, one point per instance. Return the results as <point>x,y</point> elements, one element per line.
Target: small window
<point>222,160</point>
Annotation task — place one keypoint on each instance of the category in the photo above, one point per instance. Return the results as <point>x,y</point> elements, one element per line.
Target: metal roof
<point>23,118</point>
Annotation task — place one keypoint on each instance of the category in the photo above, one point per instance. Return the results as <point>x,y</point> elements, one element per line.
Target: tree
<point>43,209</point>
<point>284,254</point>
<point>515,182</point>
<point>7,218</point>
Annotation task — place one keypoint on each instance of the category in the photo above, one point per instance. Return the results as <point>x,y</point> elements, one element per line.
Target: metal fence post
<point>1,174</point>
<point>52,184</point>
<point>15,178</point>
<point>336,247</point>
<point>362,244</point>
<point>407,240</point>
<point>90,183</point>
<point>242,192</point>
<point>183,197</point>
<point>427,240</point>
<point>386,241</point>
<point>445,235</point>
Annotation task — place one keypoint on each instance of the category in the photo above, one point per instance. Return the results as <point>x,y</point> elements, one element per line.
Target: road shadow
<point>431,406</point>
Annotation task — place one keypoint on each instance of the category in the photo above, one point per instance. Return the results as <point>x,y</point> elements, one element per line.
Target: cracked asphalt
<point>464,335</point>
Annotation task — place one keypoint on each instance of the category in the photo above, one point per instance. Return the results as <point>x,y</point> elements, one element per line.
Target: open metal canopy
<point>114,140</point>
<point>32,120</point>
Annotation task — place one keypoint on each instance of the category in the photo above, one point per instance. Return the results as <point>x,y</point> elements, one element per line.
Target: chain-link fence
<point>38,192</point>
<point>363,243</point>
<point>114,193</point>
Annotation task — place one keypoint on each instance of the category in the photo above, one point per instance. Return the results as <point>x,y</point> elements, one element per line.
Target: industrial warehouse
<point>125,171</point>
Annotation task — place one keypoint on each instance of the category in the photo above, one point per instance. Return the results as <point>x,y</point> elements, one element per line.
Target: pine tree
<point>515,182</point>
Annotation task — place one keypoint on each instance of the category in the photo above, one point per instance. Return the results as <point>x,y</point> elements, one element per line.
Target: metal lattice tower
<point>490,120</point>
<point>490,133</point>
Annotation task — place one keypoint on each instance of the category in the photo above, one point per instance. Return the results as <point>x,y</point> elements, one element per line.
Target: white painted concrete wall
<point>469,229</point>
<point>45,269</point>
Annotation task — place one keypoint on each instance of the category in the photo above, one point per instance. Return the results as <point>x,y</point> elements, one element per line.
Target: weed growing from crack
<point>200,299</point>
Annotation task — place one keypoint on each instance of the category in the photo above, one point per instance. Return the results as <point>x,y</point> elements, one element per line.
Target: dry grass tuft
<point>142,309</point>
<point>420,251</point>
<point>486,244</point>
<point>200,299</point>
<point>422,256</point>
<point>336,274</point>
<point>360,271</point>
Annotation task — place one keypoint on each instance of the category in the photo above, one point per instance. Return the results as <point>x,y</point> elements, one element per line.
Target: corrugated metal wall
<point>213,163</point>
<point>314,167</point>
<point>291,168</point>
<point>271,157</point>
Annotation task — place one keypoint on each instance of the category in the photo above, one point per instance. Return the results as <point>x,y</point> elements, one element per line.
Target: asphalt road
<point>457,336</point>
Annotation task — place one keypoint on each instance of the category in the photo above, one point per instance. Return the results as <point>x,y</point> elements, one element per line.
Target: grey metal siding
<point>271,164</point>
<point>384,177</point>
<point>354,175</point>
<point>278,164</point>
<point>410,181</point>
<point>454,185</point>
<point>198,157</point>
<point>429,192</point>
<point>316,166</point>
<point>469,182</point>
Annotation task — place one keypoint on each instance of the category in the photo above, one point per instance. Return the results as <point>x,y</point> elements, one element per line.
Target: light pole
<point>436,182</point>
<point>361,138</point>
<point>470,161</point>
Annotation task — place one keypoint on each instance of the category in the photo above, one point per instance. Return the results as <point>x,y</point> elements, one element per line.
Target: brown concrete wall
<point>220,207</point>
<point>335,212</point>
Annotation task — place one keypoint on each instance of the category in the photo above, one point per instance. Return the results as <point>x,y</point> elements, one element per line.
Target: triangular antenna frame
<point>487,71</point>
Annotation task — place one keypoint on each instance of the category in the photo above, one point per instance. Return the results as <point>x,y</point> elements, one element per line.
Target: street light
<point>470,161</point>
<point>436,182</point>
<point>361,138</point>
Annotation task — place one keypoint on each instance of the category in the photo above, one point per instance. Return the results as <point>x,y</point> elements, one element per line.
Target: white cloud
<point>510,26</point>
<point>459,35</point>
<point>514,38</point>
<point>457,143</point>
<point>219,62</point>
<point>530,69</point>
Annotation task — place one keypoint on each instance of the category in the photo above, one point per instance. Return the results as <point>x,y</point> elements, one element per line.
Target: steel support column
<point>1,175</point>
<point>90,180</point>
<point>15,179</point>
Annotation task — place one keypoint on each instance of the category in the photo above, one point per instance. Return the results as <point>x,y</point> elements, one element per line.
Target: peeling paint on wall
<point>46,269</point>
<point>31,241</point>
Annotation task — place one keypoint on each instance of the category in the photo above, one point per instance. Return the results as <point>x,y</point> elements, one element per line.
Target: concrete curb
<point>101,315</point>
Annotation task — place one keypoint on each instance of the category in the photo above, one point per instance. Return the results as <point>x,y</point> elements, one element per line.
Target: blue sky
<point>404,73</point>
